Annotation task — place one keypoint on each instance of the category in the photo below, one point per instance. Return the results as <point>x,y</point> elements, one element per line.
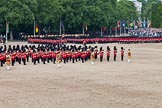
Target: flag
<point>126,24</point>
<point>123,23</point>
<point>118,27</point>
<point>36,29</point>
<point>149,24</point>
<point>144,23</point>
<point>131,24</point>
<point>118,24</point>
<point>139,24</point>
<point>135,24</point>
<point>86,28</point>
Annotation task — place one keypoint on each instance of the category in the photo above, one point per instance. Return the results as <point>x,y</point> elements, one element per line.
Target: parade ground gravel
<point>82,85</point>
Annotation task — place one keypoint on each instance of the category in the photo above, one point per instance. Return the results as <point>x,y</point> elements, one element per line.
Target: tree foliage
<point>156,16</point>
<point>74,14</point>
<point>147,8</point>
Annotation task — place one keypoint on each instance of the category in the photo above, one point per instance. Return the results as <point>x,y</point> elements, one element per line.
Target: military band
<point>58,53</point>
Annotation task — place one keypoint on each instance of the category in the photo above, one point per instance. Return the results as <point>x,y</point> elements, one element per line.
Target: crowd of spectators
<point>149,32</point>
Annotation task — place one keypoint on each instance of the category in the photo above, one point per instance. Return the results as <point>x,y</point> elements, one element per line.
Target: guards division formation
<point>48,53</point>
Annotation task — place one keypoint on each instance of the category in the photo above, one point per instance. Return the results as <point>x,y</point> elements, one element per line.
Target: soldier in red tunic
<point>48,55</point>
<point>88,52</point>
<point>64,56</point>
<point>79,54</point>
<point>108,53</point>
<point>18,56</point>
<point>24,57</point>
<point>122,53</point>
<point>83,57</point>
<point>38,55</point>
<point>73,57</point>
<point>101,54</point>
<point>27,53</point>
<point>34,56</point>
<point>2,59</point>
<point>115,53</point>
<point>44,57</point>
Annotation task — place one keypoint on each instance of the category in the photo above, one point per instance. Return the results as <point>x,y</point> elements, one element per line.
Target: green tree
<point>13,12</point>
<point>74,14</point>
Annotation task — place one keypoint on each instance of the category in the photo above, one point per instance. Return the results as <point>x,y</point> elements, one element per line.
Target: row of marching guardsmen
<point>55,54</point>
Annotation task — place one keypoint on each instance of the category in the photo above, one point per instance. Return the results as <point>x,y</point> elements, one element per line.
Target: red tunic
<point>73,56</point>
<point>53,55</point>
<point>34,56</point>
<point>83,56</point>
<point>2,57</point>
<point>122,52</point>
<point>101,54</point>
<point>108,53</point>
<point>64,56</point>
<point>13,56</point>
<point>69,54</point>
<point>44,56</point>
<point>18,54</point>
<point>115,52</point>
<point>23,55</point>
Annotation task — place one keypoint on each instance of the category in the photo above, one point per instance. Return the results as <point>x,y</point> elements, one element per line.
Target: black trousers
<point>79,58</point>
<point>108,58</point>
<point>73,59</point>
<point>34,60</point>
<point>54,60</point>
<point>95,56</point>
<point>82,60</point>
<point>28,58</point>
<point>122,57</point>
<point>19,60</point>
<point>67,60</point>
<point>101,58</point>
<point>13,62</point>
<point>24,61</point>
<point>114,57</point>
<point>44,60</point>
<point>1,63</point>
<point>64,60</point>
<point>48,59</point>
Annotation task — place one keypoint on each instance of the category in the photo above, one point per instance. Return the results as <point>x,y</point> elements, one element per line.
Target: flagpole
<point>60,26</point>
<point>110,30</point>
<point>116,31</point>
<point>83,30</point>
<point>7,30</point>
<point>34,26</point>
<point>120,27</point>
<point>101,32</point>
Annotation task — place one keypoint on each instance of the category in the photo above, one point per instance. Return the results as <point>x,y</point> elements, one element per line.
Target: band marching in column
<point>57,54</point>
